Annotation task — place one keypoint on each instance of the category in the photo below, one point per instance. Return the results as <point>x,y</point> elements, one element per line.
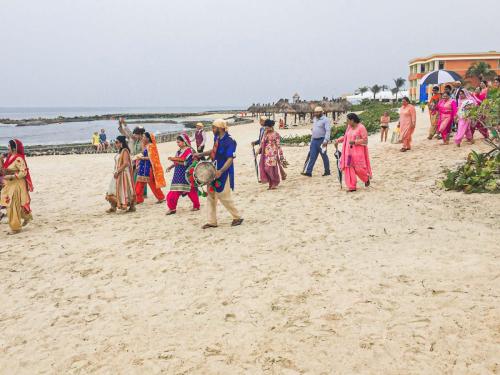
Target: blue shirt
<point>225,150</point>
<point>261,134</point>
<point>144,169</point>
<point>321,128</point>
<point>102,137</point>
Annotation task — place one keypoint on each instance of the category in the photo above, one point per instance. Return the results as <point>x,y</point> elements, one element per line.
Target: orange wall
<point>461,66</point>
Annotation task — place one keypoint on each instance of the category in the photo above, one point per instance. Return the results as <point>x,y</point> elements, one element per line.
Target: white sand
<point>400,278</point>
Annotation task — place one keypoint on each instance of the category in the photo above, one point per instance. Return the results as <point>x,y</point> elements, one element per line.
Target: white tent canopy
<point>382,95</point>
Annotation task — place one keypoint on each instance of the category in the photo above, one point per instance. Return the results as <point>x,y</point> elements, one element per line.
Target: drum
<point>201,173</point>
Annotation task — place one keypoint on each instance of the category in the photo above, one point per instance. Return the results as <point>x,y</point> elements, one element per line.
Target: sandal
<point>171,212</point>
<point>207,226</point>
<point>403,149</point>
<point>367,183</point>
<point>195,209</point>
<point>236,222</point>
<point>111,210</point>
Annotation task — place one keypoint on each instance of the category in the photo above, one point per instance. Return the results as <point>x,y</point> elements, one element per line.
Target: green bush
<point>480,174</point>
<point>370,117</point>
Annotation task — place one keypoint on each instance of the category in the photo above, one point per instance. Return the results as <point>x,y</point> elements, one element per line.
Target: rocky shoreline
<point>113,116</point>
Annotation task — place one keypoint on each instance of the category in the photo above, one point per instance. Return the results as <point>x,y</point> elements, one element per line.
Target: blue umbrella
<point>439,77</point>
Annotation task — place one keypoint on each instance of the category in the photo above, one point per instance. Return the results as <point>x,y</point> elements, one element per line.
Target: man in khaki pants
<point>223,154</point>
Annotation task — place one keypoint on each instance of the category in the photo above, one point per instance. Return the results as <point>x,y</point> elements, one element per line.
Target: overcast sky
<point>223,52</point>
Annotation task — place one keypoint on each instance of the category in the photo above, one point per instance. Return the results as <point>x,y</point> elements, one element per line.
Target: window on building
<point>422,68</point>
<point>441,65</point>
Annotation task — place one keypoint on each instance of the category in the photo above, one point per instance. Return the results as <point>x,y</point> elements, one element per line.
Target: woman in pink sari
<point>447,109</point>
<point>465,102</point>
<point>270,169</point>
<point>407,122</point>
<point>355,161</point>
<point>480,96</point>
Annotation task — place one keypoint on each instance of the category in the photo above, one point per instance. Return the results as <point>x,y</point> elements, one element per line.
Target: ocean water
<point>19,113</point>
<point>79,132</point>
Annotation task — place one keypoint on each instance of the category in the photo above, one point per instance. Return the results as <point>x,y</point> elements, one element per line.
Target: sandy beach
<point>399,278</point>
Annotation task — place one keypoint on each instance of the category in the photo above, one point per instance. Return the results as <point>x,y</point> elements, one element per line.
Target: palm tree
<point>375,89</point>
<point>480,70</point>
<point>363,89</point>
<point>384,87</point>
<point>398,84</point>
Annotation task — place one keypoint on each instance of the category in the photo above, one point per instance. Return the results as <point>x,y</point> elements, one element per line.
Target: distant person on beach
<point>407,123</point>
<point>200,138</point>
<point>223,154</point>
<point>447,109</point>
<point>384,126</point>
<point>355,161</point>
<point>15,194</point>
<point>319,141</point>
<point>121,190</point>
<point>103,140</point>
<point>150,170</point>
<point>180,186</point>
<point>95,141</point>
<point>134,139</point>
<point>433,111</point>
<point>270,165</point>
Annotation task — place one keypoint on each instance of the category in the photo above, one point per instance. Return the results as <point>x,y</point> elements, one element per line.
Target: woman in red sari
<point>447,109</point>
<point>17,186</point>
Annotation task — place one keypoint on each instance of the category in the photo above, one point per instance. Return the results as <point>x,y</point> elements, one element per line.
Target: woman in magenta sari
<point>355,161</point>
<point>465,102</point>
<point>271,157</point>
<point>480,96</point>
<point>407,123</point>
<point>447,109</point>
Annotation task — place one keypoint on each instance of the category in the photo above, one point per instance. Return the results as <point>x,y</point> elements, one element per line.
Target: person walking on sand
<point>150,170</point>
<point>180,186</point>
<point>433,111</point>
<point>15,194</point>
<point>407,123</point>
<point>465,102</point>
<point>121,190</point>
<point>447,111</point>
<point>355,160</point>
<point>134,139</point>
<point>200,138</point>
<point>223,154</point>
<point>384,126</point>
<point>319,141</point>
<point>262,130</point>
<point>270,165</point>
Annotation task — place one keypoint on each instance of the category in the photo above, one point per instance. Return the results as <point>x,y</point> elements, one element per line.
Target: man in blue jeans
<point>319,141</point>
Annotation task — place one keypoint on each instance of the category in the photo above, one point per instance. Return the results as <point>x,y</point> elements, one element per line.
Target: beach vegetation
<point>370,115</point>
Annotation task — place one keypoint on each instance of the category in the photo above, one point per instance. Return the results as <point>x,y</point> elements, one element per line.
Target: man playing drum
<point>222,154</point>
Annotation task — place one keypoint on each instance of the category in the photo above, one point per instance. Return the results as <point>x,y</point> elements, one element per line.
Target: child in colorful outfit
<point>180,186</point>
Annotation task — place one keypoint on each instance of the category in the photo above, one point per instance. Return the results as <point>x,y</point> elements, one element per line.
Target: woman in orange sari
<point>17,187</point>
<point>150,170</point>
<point>407,122</point>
